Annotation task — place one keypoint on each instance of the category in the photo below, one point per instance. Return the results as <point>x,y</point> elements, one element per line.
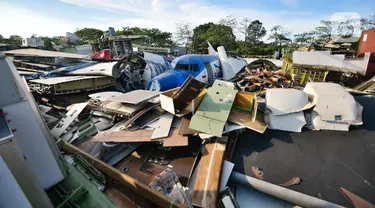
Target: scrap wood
<point>258,173</point>
<point>357,201</point>
<point>293,181</point>
<point>206,188</point>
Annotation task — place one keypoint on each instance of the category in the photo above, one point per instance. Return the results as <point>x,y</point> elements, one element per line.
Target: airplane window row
<point>186,67</point>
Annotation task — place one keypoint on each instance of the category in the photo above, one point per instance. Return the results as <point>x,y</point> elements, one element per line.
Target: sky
<point>55,17</point>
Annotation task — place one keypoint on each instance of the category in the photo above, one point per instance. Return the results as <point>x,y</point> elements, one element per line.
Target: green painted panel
<point>214,109</point>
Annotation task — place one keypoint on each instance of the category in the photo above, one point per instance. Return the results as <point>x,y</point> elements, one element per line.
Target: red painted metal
<point>104,55</point>
<point>367,42</point>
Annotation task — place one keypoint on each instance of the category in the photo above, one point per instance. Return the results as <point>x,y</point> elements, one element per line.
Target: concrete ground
<point>324,160</point>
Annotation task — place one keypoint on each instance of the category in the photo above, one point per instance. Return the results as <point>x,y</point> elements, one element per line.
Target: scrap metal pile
<point>168,139</point>
<point>260,75</point>
<point>51,74</point>
<point>177,142</point>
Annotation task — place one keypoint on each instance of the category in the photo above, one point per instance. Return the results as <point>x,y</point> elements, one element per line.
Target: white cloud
<point>25,22</point>
<point>162,14</point>
<point>165,13</point>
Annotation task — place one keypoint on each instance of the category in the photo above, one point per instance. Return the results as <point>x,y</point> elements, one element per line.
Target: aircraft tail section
<point>230,65</point>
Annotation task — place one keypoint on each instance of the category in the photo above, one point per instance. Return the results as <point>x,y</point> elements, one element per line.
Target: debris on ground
<point>355,199</point>
<point>293,181</point>
<point>258,173</point>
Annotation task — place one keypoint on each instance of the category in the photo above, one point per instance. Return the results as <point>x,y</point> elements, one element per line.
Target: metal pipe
<point>280,192</point>
<point>128,181</point>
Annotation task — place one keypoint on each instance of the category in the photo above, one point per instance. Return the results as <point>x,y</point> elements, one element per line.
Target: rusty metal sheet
<point>206,189</point>
<point>184,127</point>
<point>244,119</point>
<point>357,201</point>
<point>175,140</point>
<point>187,92</point>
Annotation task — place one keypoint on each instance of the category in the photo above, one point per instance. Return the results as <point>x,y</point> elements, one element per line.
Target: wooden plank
<point>163,127</point>
<point>124,136</point>
<point>122,178</point>
<point>175,140</point>
<point>184,127</point>
<point>206,189</point>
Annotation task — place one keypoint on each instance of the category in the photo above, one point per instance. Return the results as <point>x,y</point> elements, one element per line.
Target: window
<point>195,67</point>
<point>186,67</point>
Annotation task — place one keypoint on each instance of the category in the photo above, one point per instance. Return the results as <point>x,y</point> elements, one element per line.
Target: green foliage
<point>305,38</point>
<point>16,39</point>
<point>89,34</point>
<point>247,48</point>
<point>216,34</point>
<point>279,37</point>
<point>155,37</point>
<point>255,31</point>
<point>48,44</point>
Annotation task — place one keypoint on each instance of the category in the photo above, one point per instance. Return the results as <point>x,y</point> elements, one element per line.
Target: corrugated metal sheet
<point>367,42</point>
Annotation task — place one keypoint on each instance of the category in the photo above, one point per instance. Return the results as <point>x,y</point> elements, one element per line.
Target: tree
<point>184,33</point>
<point>368,22</point>
<point>16,39</point>
<point>279,36</point>
<point>89,34</point>
<point>1,39</point>
<point>255,31</point>
<point>230,21</point>
<point>305,38</point>
<point>216,34</point>
<point>242,27</point>
<point>246,48</point>
<point>324,32</point>
<point>155,37</point>
<point>48,44</point>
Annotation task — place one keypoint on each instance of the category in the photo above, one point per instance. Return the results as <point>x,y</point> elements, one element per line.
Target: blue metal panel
<point>176,77</point>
